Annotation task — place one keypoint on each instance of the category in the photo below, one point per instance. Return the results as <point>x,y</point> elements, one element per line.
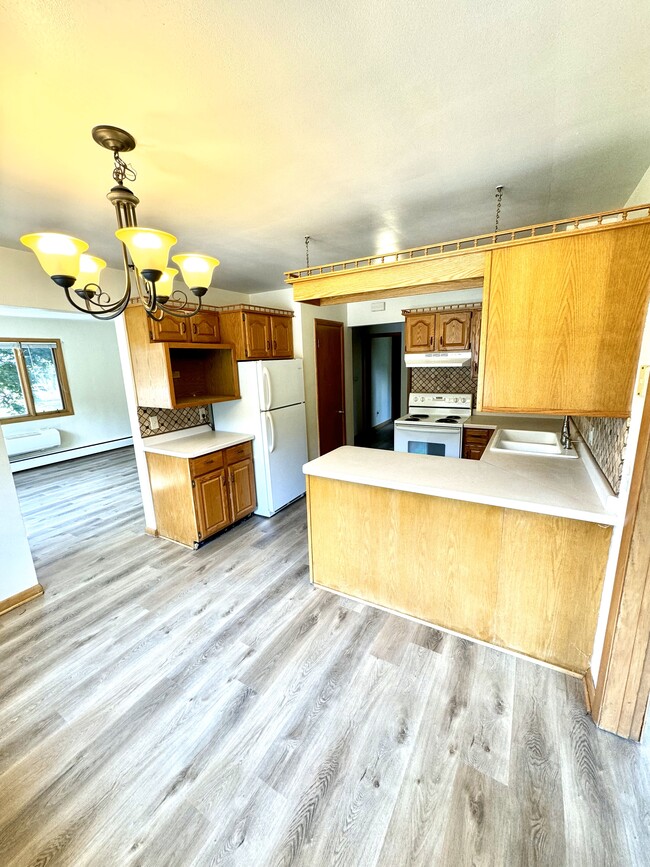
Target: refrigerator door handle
<point>266,379</point>
<point>271,435</point>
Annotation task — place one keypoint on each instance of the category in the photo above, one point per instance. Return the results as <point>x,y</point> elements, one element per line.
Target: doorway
<point>330,384</point>
<point>378,384</point>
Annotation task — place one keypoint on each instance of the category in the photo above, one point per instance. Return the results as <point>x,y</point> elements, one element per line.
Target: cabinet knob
<point>268,344</point>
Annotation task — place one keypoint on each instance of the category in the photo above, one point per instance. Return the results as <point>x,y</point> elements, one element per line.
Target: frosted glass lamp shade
<point>58,255</point>
<point>165,286</point>
<point>90,267</point>
<point>148,248</point>
<point>196,269</point>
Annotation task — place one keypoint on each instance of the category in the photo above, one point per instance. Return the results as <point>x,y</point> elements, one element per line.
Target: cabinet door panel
<point>420,332</point>
<point>168,330</point>
<point>282,336</point>
<point>258,335</point>
<point>212,503</point>
<point>204,327</point>
<point>453,330</point>
<point>242,488</point>
<point>475,341</point>
<point>563,321</point>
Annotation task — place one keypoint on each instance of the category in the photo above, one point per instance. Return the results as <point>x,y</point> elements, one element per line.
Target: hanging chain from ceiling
<point>307,240</point>
<point>498,196</point>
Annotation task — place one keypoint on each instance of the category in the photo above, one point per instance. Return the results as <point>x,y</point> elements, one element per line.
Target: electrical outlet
<point>203,414</point>
<point>153,422</point>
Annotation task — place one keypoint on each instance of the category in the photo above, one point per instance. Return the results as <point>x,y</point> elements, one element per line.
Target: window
<point>33,383</point>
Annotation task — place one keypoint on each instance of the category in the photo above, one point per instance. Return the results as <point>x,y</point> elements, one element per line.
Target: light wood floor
<point>160,706</point>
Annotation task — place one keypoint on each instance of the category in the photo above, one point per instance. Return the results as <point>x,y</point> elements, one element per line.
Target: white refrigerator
<point>272,408</point>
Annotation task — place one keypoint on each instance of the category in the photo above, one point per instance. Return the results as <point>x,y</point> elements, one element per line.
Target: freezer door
<point>280,383</point>
<point>284,437</point>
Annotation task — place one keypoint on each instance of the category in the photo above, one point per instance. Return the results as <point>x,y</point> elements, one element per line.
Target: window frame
<point>23,375</point>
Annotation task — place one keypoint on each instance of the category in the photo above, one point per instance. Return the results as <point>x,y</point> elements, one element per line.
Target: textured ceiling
<point>370,126</point>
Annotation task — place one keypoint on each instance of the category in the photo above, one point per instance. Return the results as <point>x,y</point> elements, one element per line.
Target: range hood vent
<point>438,359</point>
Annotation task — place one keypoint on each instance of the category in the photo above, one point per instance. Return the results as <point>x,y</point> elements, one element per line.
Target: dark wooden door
<point>330,385</point>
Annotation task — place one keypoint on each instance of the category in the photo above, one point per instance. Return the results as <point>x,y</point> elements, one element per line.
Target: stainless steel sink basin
<point>532,443</point>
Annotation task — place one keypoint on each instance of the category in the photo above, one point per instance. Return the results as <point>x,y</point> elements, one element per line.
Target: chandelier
<point>144,251</point>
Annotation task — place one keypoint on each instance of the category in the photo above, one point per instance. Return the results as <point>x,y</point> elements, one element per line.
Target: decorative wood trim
<point>536,232</point>
<point>449,308</point>
<point>254,308</point>
<point>21,598</point>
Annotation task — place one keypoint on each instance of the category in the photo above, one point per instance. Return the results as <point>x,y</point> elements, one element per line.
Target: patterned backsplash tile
<point>169,419</point>
<point>443,380</point>
<point>607,439</point>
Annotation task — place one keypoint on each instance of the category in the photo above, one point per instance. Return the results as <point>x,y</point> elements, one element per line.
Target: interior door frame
<point>330,323</point>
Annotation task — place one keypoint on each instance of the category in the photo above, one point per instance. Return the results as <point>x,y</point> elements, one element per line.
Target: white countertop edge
<point>468,497</point>
<point>207,441</point>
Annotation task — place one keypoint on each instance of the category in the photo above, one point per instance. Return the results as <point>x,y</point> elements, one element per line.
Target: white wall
<point>17,572</point>
<point>94,374</point>
<point>360,312</point>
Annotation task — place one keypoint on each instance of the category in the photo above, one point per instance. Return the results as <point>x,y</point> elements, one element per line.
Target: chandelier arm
<point>177,314</point>
<point>104,316</point>
<point>96,299</point>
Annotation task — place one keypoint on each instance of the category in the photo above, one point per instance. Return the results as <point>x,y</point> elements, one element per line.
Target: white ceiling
<point>369,125</point>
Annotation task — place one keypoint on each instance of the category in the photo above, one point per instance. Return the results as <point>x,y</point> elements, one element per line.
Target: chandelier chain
<point>122,171</point>
<point>307,240</point>
<point>498,196</point>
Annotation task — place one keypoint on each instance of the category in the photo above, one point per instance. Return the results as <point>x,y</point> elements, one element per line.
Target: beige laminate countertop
<point>194,442</point>
<point>546,485</point>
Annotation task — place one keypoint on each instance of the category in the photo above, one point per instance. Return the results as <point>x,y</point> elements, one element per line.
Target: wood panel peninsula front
<point>509,550</point>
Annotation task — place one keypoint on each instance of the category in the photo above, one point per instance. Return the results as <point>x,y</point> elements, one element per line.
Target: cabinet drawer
<point>206,463</point>
<point>475,435</point>
<point>238,453</point>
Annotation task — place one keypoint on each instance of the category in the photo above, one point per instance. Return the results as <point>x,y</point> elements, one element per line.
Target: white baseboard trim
<point>68,454</point>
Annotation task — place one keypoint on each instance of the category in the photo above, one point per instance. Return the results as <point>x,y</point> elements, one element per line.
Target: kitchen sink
<point>532,443</point>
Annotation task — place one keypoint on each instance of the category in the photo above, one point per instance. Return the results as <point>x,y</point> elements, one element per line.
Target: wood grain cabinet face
<point>197,497</point>
<point>475,341</point>
<point>242,488</point>
<point>281,336</point>
<point>204,327</point>
<point>453,330</point>
<point>475,441</point>
<point>563,321</point>
<point>211,497</point>
<point>168,330</point>
<point>257,329</point>
<point>420,333</point>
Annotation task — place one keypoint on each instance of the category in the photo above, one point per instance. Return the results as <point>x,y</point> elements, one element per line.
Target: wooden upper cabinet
<point>420,334</point>
<point>204,327</point>
<point>257,331</point>
<point>282,336</point>
<point>168,329</point>
<point>453,330</point>
<point>562,323</point>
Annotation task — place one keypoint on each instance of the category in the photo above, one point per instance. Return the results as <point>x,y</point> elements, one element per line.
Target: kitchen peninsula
<point>510,550</point>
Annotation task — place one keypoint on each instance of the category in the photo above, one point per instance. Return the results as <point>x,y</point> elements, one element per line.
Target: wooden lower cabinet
<point>196,498</point>
<point>475,441</point>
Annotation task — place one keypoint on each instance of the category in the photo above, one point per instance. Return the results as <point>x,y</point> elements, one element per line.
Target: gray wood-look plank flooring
<point>160,706</point>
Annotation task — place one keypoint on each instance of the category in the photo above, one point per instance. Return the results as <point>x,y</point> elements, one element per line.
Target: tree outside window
<point>33,383</point>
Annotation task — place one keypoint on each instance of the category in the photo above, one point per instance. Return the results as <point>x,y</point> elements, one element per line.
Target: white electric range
<point>434,424</point>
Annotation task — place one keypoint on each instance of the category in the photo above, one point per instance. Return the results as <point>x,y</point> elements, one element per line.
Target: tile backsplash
<point>443,380</point>
<point>607,439</point>
<point>169,419</point>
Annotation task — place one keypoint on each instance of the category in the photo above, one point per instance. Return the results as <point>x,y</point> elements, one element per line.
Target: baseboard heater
<point>26,442</point>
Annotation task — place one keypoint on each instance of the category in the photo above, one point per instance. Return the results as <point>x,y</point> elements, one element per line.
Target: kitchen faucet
<point>565,439</point>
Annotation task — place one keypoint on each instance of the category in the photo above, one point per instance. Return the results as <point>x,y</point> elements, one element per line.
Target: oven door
<point>420,440</point>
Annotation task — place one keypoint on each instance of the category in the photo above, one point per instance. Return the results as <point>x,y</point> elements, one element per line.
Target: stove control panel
<point>440,400</point>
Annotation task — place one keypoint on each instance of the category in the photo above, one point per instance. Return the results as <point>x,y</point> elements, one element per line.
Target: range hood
<point>438,359</point>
